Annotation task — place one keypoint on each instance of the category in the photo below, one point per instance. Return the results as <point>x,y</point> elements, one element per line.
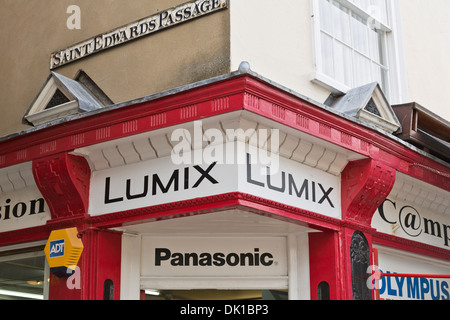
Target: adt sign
<point>57,248</point>
<point>63,250</point>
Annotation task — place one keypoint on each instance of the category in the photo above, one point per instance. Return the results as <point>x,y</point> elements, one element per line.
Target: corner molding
<point>365,185</point>
<point>63,180</point>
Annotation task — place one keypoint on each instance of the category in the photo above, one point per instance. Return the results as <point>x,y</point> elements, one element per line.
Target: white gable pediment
<point>368,104</point>
<point>60,97</point>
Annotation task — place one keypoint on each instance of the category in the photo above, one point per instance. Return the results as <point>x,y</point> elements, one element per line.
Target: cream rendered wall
<point>276,38</point>
<point>426,28</point>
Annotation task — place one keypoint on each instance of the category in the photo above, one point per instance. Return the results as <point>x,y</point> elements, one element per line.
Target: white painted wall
<point>426,27</point>
<point>276,38</point>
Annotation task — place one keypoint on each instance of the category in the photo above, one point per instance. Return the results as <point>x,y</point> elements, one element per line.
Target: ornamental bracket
<point>63,180</point>
<point>365,185</point>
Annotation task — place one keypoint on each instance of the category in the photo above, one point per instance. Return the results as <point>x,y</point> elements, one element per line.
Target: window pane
<point>22,278</point>
<point>360,34</point>
<point>363,4</point>
<point>343,63</point>
<point>362,70</point>
<point>326,21</point>
<point>327,55</point>
<point>375,50</point>
<point>341,19</point>
<point>352,52</point>
<point>375,8</point>
<point>378,9</point>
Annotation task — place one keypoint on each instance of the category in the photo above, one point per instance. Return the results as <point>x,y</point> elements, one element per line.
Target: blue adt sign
<point>57,248</point>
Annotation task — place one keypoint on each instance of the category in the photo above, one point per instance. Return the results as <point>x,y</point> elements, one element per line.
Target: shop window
<point>210,294</point>
<point>22,276</point>
<point>351,43</point>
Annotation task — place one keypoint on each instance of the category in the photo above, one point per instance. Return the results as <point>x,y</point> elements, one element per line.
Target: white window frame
<point>296,281</point>
<point>396,77</point>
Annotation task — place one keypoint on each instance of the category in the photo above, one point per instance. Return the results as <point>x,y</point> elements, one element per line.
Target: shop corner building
<point>225,149</point>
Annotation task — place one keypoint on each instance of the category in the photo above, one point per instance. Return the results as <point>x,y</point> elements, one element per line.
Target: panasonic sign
<point>218,259</point>
<point>205,256</point>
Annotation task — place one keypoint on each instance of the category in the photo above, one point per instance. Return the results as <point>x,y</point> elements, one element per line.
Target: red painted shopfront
<point>93,172</point>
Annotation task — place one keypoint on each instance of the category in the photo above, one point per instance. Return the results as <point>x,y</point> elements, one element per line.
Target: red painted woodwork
<point>100,260</point>
<point>204,205</point>
<point>242,92</point>
<point>58,289</point>
<point>63,180</point>
<point>402,244</point>
<point>365,185</point>
<point>324,263</point>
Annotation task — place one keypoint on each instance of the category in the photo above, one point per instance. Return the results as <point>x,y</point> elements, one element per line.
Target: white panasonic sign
<point>218,259</point>
<point>214,256</point>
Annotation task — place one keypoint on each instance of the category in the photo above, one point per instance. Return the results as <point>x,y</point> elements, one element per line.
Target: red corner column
<point>365,185</point>
<point>339,259</point>
<point>63,180</point>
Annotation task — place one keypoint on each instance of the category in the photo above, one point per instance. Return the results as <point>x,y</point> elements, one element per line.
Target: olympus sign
<point>218,259</point>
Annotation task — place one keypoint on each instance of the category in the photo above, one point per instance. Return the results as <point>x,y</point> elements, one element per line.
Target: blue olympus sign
<point>414,288</point>
<point>57,248</point>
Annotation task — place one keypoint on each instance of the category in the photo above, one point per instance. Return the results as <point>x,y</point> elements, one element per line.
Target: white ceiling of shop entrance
<point>224,222</point>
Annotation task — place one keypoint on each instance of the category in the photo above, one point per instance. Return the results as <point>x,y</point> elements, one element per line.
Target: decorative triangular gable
<point>368,104</point>
<point>60,97</point>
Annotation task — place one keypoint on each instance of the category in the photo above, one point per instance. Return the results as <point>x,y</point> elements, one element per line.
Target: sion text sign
<point>23,209</point>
